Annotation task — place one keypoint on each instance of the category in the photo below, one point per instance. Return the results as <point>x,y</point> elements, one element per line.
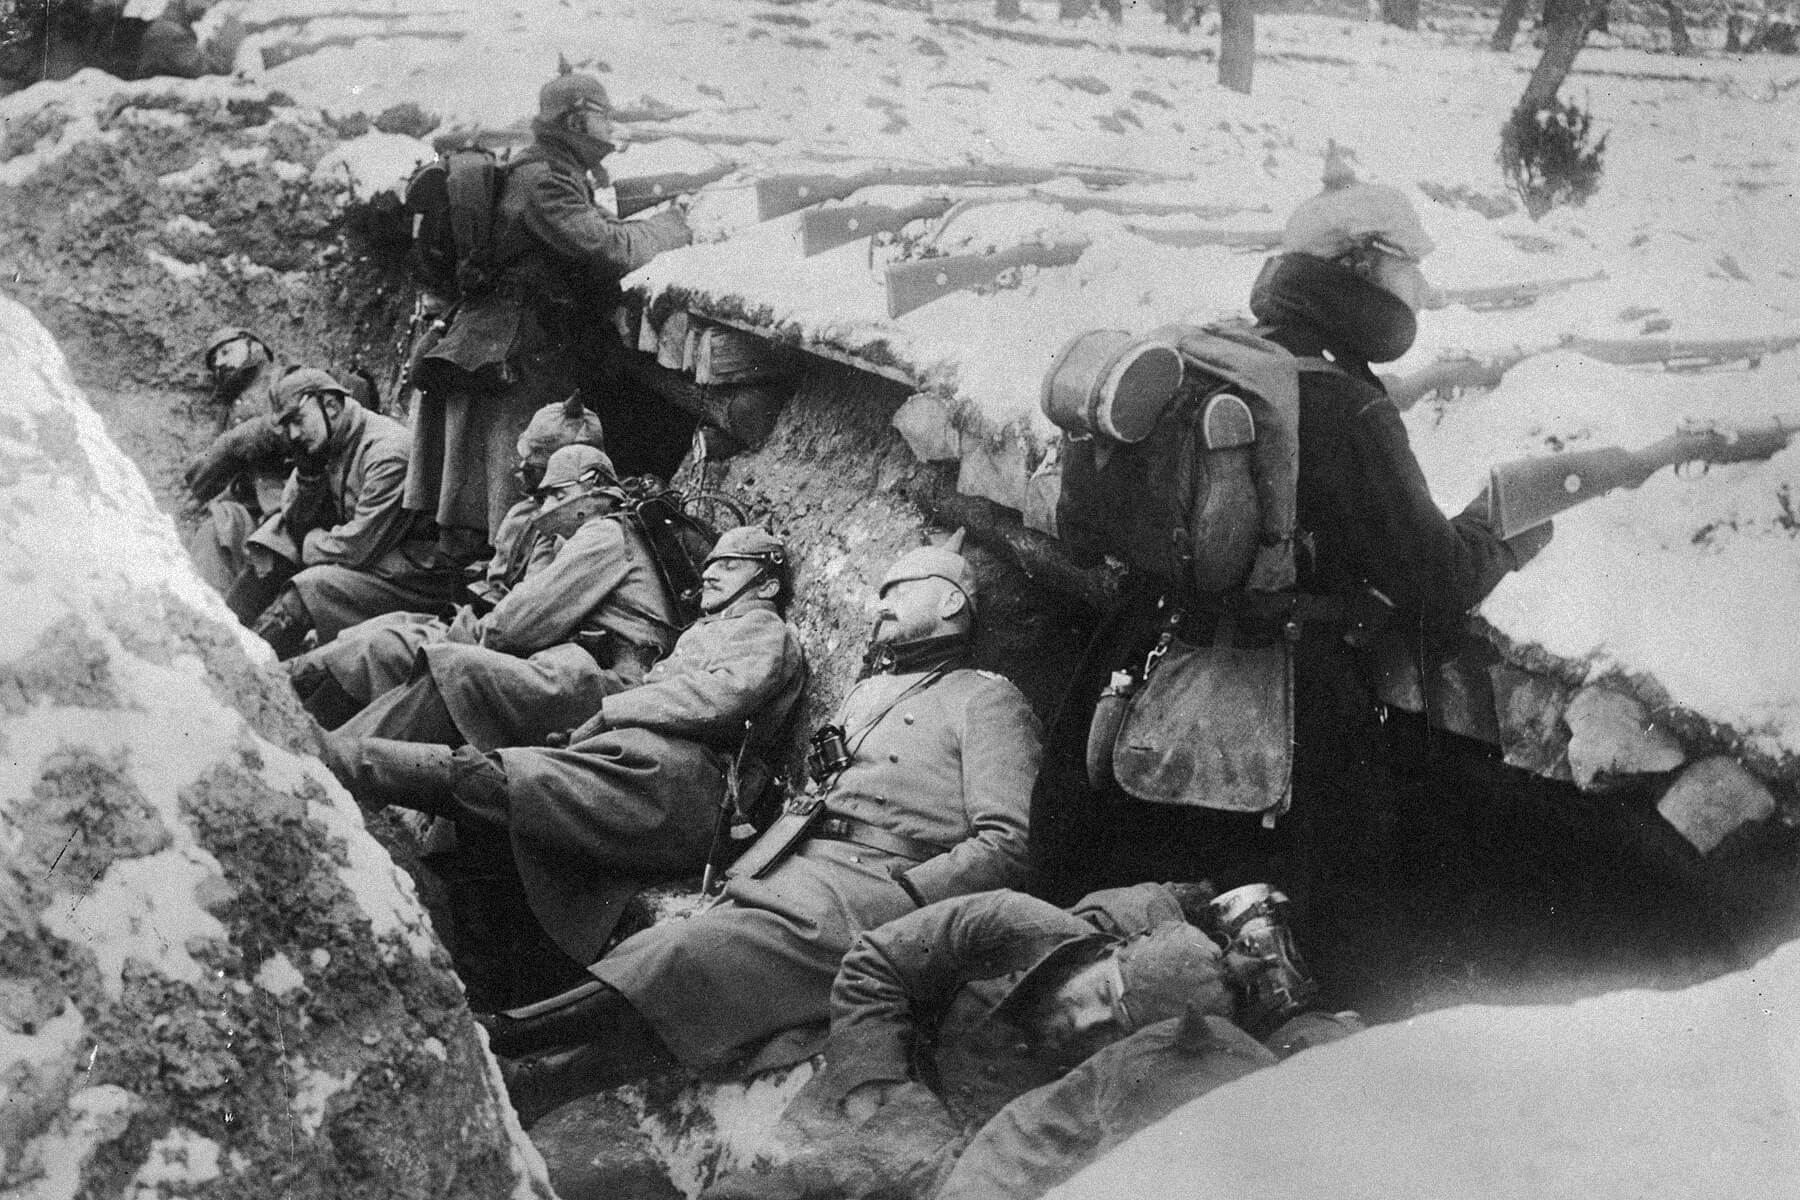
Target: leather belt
<point>833,827</point>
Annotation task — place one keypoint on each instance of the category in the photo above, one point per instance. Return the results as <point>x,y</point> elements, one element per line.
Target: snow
<point>1681,583</point>
<point>1687,1094</point>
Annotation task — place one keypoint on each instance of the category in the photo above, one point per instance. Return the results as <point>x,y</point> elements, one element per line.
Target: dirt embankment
<point>189,211</point>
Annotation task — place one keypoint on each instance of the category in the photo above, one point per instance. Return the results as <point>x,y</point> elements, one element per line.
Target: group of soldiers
<point>495,651</point>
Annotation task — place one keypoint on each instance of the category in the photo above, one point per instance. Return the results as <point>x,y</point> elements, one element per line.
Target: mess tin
<point>1110,383</point>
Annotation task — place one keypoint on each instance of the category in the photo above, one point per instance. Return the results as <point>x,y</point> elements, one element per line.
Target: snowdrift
<point>1680,1095</point>
<point>212,978</point>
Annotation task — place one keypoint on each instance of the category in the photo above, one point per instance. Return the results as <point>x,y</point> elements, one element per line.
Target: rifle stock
<point>914,284</point>
<point>636,194</point>
<point>1525,493</point>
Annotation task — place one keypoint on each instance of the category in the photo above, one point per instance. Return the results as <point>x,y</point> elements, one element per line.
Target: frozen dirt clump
<point>212,980</point>
<point>143,214</point>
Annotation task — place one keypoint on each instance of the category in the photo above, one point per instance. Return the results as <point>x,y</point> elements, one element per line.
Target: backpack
<point>1180,453</point>
<point>679,541</point>
<point>452,201</point>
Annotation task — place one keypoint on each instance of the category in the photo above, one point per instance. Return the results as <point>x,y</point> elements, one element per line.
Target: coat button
<point>908,718</point>
<point>893,758</point>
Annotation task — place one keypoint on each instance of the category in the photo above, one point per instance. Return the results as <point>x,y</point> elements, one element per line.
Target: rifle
<point>914,284</point>
<point>728,804</point>
<point>1507,295</point>
<point>1530,491</point>
<point>824,229</point>
<point>639,192</point>
<point>778,195</point>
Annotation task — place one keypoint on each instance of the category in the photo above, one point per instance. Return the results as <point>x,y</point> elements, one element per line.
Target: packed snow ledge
<point>1679,590</point>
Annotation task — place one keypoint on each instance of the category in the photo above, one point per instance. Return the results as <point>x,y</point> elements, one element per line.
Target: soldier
<point>339,679</point>
<point>237,480</point>
<point>1051,1132</point>
<point>340,543</point>
<point>1346,287</point>
<point>588,622</point>
<point>942,1016</point>
<point>918,794</point>
<point>538,331</point>
<point>635,793</point>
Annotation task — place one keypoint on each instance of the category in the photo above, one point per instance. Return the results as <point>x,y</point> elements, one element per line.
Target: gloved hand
<point>1526,546</point>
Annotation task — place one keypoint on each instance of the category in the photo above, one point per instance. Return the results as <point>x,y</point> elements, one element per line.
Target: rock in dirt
<point>212,980</point>
<point>1712,799</point>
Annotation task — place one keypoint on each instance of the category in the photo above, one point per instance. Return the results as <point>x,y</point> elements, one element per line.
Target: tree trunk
<point>1237,44</point>
<point>1734,32</point>
<point>1401,13</point>
<point>1072,10</point>
<point>1569,23</point>
<point>1512,13</point>
<point>1679,41</point>
<point>1007,10</point>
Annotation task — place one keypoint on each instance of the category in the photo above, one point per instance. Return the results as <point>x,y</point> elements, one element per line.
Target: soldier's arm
<point>548,606</point>
<point>251,443</point>
<point>372,528</point>
<point>1001,746</point>
<point>561,215</point>
<point>713,699</point>
<point>897,981</point>
<point>1443,565</point>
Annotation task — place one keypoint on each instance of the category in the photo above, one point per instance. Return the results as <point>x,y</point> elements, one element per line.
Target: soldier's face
<point>307,426</point>
<point>909,610</point>
<point>724,578</point>
<point>1082,1014</point>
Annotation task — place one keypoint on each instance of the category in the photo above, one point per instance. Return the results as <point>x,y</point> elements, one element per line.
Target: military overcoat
<point>638,800</point>
<point>944,759</point>
<point>563,258</point>
<point>516,675</point>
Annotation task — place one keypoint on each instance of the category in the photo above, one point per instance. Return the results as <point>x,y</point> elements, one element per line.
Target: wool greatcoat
<point>639,800</point>
<point>947,760</point>
<point>516,675</point>
<point>356,551</point>
<point>376,656</point>
<point>1368,524</point>
<point>530,340</point>
<point>913,1008</point>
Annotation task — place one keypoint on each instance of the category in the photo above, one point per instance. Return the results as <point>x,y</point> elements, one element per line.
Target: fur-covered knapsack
<point>452,201</point>
<point>1181,453</point>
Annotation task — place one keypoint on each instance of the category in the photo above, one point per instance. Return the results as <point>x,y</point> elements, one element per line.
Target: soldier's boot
<point>284,625</point>
<point>590,1010</point>
<point>538,1086</point>
<point>320,693</point>
<point>379,772</point>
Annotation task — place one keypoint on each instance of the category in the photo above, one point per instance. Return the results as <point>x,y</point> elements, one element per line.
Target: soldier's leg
<point>320,692</point>
<point>284,624</point>
<point>457,783</point>
<point>624,1050</point>
<point>413,713</point>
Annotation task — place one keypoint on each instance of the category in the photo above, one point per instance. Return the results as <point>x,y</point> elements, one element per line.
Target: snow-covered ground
<point>1684,583</point>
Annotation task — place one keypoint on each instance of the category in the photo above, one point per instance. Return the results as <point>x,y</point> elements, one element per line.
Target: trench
<point>1497,886</point>
<point>1501,887</point>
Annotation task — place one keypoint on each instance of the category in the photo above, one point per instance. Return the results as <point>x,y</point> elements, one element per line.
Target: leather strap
<point>835,827</point>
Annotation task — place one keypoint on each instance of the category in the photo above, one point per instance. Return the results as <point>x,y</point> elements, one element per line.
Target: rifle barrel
<point>1525,493</point>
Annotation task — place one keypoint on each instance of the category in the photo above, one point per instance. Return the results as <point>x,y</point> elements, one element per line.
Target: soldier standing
<point>539,330</point>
